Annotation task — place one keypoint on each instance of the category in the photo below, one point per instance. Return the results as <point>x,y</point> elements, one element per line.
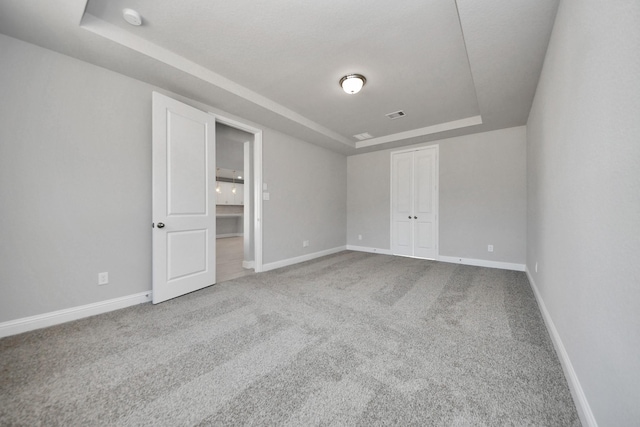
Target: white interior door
<point>402,204</point>
<point>414,203</point>
<point>184,203</point>
<point>425,203</point>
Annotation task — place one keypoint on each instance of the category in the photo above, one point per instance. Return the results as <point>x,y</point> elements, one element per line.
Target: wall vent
<point>396,114</point>
<point>363,136</point>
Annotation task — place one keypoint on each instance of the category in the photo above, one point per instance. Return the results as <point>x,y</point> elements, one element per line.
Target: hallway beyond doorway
<point>230,254</point>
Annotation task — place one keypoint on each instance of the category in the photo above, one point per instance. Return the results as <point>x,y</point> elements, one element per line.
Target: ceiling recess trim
<point>117,35</point>
<point>440,127</point>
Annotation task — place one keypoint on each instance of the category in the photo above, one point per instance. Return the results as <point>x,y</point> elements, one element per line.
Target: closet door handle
<point>160,225</point>
<point>409,216</point>
<point>415,217</point>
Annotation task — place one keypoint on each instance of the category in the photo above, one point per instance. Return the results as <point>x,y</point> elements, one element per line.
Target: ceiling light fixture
<point>352,83</point>
<point>132,17</point>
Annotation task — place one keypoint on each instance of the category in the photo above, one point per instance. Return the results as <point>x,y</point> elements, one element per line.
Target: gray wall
<point>75,184</point>
<point>583,161</point>
<point>230,147</point>
<point>307,191</point>
<point>226,226</point>
<point>482,197</point>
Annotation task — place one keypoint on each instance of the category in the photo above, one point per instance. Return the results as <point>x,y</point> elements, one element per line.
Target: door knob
<point>409,216</point>
<point>160,225</point>
<point>415,217</point>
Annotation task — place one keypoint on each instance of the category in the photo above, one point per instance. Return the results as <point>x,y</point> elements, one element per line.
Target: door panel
<point>187,151</point>
<point>424,183</point>
<point>403,189</point>
<point>183,211</point>
<point>425,201</point>
<point>187,253</point>
<point>424,239</point>
<point>405,235</point>
<point>401,204</point>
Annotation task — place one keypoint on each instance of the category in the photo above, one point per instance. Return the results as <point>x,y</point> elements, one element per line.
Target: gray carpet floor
<point>348,339</point>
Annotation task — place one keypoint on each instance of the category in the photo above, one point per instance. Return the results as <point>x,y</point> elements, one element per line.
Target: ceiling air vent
<point>396,115</point>
<point>363,136</point>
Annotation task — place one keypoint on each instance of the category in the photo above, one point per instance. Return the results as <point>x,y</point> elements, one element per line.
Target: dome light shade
<point>352,83</point>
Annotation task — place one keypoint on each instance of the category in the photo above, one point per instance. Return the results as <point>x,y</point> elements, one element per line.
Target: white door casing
<point>184,201</point>
<point>414,202</point>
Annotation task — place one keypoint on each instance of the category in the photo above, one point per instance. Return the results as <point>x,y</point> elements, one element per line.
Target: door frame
<point>256,176</point>
<point>436,147</point>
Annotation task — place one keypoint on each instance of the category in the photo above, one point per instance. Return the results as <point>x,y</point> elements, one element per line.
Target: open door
<point>184,205</point>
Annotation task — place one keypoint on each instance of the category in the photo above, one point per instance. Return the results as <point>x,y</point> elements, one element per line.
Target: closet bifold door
<point>414,203</point>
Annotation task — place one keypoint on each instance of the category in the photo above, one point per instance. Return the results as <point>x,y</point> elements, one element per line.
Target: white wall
<point>482,197</point>
<point>75,184</point>
<point>583,161</point>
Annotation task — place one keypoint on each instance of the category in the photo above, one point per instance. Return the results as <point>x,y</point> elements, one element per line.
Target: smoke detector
<point>132,17</point>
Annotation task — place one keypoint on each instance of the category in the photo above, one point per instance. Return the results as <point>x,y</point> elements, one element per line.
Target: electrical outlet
<point>103,278</point>
<point>359,236</point>
<point>305,243</point>
<point>490,248</point>
<point>265,196</point>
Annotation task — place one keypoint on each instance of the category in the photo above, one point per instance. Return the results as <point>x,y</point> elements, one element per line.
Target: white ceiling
<point>454,67</point>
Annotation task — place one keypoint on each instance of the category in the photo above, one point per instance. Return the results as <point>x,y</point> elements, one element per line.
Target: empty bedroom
<point>319,213</point>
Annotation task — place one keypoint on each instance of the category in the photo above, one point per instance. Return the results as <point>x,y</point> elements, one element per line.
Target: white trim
<point>302,258</point>
<point>247,264</point>
<point>257,201</point>
<point>247,201</point>
<point>482,263</point>
<point>257,183</point>
<point>368,249</point>
<point>26,324</point>
<point>440,127</point>
<point>222,236</point>
<point>582,405</point>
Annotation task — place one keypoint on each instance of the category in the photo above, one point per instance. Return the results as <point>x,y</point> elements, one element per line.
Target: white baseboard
<point>482,263</point>
<point>222,236</point>
<point>302,258</point>
<point>370,250</point>
<point>451,259</point>
<point>26,324</point>
<point>582,405</point>
<point>248,264</point>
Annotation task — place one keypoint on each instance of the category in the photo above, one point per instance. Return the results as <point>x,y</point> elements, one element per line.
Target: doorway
<point>184,197</point>
<point>238,199</point>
